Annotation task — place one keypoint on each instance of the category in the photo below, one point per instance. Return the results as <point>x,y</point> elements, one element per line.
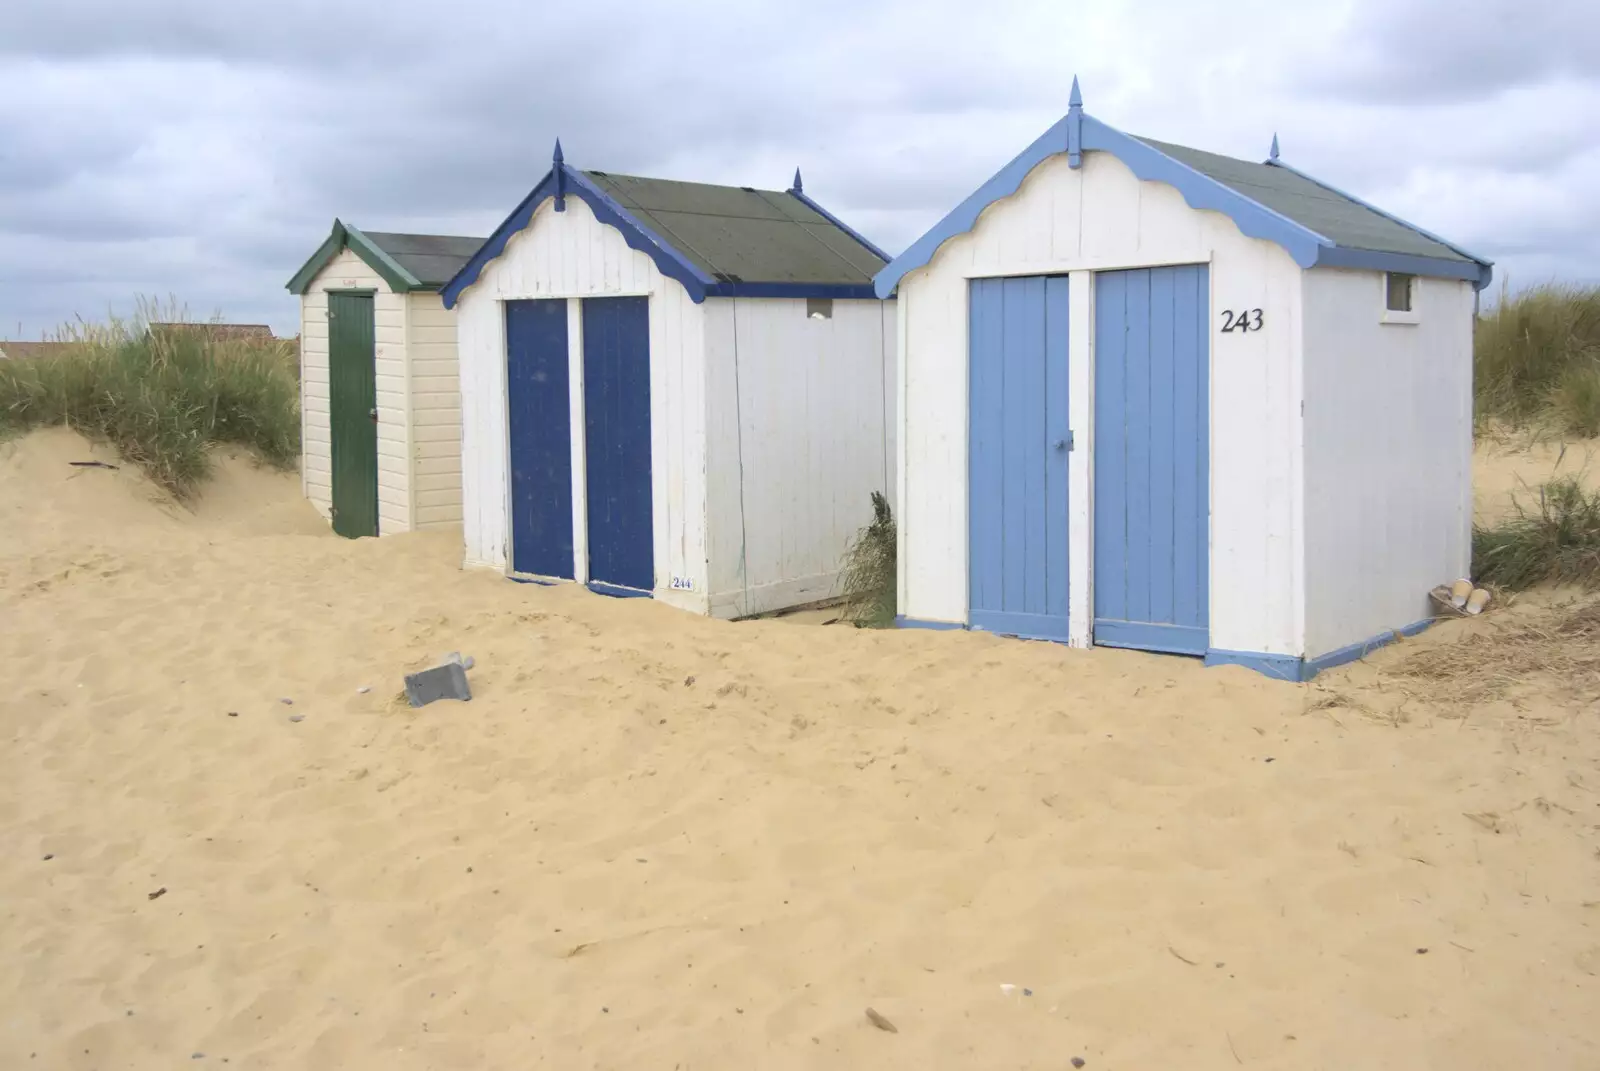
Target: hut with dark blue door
<point>672,389</point>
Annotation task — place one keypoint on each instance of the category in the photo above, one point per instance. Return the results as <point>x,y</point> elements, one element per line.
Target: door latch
<point>1065,444</point>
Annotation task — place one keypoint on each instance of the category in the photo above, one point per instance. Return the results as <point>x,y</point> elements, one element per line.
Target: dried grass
<point>1559,646</point>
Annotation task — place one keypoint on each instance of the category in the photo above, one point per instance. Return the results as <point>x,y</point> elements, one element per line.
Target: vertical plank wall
<point>1103,217</point>
<point>435,412</point>
<point>571,254</point>
<point>349,272</point>
<point>1383,402</point>
<point>801,418</point>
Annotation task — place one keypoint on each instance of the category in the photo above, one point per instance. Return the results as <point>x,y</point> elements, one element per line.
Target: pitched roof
<point>1316,224</point>
<point>743,234</point>
<point>25,351</point>
<point>405,261</point>
<point>217,332</point>
<point>718,241</point>
<point>1336,216</point>
<point>430,258</point>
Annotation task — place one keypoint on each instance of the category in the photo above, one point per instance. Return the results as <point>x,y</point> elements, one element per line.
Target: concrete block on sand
<point>448,681</point>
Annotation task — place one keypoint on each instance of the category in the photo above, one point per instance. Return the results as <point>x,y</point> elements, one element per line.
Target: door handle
<point>373,413</point>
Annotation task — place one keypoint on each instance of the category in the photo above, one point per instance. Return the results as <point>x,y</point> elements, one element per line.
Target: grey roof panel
<point>1343,221</point>
<point>433,259</point>
<point>753,236</point>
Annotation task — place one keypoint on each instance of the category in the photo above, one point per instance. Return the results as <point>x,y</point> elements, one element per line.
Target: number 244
<point>1244,320</point>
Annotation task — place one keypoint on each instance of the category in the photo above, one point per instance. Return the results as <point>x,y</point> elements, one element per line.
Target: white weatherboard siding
<point>800,415</point>
<point>571,254</point>
<point>1103,217</point>
<point>1388,453</point>
<point>435,412</point>
<point>349,272</point>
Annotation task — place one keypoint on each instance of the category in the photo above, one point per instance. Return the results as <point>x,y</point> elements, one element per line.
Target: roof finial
<point>798,188</point>
<point>1074,122</point>
<point>1076,99</point>
<point>556,157</point>
<point>1274,155</point>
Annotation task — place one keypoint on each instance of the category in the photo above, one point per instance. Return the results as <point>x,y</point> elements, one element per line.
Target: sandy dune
<point>656,841</point>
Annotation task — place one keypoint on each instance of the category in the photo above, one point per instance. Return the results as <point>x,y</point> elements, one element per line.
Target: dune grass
<point>1536,359</point>
<point>868,580</point>
<point>1557,541</point>
<point>161,399</point>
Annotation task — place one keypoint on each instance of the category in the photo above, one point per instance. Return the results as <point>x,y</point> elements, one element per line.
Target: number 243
<point>1244,320</point>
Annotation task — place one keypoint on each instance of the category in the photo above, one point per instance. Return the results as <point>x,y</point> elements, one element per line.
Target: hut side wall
<point>349,272</point>
<point>1078,221</point>
<point>800,433</point>
<point>1388,453</point>
<point>571,254</point>
<point>433,371</point>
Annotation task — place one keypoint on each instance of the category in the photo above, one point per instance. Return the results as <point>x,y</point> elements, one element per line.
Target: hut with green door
<point>380,399</point>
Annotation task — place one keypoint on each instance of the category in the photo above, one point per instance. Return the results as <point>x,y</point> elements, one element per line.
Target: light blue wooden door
<point>1152,460</point>
<point>1017,456</point>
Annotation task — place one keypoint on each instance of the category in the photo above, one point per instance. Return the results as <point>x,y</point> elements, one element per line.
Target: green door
<point>353,414</point>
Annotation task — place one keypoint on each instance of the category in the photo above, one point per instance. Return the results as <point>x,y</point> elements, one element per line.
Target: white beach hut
<point>672,389</point>
<point>1153,397</point>
<point>379,398</point>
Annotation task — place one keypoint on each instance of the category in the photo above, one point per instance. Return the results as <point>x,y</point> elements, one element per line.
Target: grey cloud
<point>203,149</point>
<point>1424,51</point>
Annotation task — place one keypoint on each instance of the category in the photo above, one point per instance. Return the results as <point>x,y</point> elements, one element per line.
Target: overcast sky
<point>202,148</point>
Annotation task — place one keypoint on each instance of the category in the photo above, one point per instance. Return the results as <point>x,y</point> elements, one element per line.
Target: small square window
<point>819,308</point>
<point>1399,287</point>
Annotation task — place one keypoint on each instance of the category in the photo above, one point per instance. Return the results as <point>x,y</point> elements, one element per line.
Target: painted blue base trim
<point>1278,667</point>
<point>1357,651</point>
<point>617,591</point>
<point>1292,668</point>
<point>1023,626</point>
<point>902,621</point>
<point>1145,636</point>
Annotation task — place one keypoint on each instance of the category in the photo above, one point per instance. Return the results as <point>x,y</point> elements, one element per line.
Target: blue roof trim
<point>1341,256</point>
<point>842,291</point>
<point>571,183</point>
<point>1078,132</point>
<point>1485,268</point>
<point>1004,183</point>
<point>800,195</point>
<point>1202,191</point>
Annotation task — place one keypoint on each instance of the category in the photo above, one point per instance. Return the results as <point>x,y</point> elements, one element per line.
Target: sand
<point>1507,471</point>
<point>653,840</point>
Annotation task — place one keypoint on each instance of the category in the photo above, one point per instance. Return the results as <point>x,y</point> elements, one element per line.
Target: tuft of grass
<point>1559,541</point>
<point>1536,358</point>
<point>869,576</point>
<point>161,399</point>
<point>1562,643</point>
<point>1575,400</point>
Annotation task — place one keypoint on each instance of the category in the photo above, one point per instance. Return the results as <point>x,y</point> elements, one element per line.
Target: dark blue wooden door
<point>1152,473</point>
<point>616,406</point>
<point>1017,457</point>
<point>539,413</point>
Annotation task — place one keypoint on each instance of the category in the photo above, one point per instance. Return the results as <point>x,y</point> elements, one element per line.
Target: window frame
<point>1400,316</point>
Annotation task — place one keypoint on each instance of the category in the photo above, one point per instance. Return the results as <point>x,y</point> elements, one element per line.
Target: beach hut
<point>379,397</point>
<point>672,389</point>
<point>1158,398</point>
